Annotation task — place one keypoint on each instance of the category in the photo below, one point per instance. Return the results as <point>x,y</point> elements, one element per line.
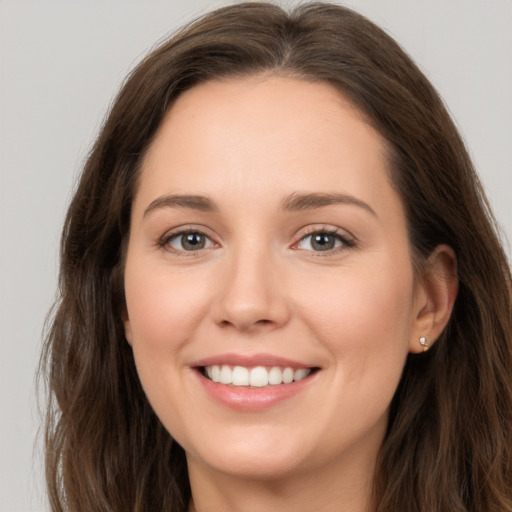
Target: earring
<point>424,344</point>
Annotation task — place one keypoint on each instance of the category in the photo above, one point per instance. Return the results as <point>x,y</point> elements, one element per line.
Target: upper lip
<point>250,360</point>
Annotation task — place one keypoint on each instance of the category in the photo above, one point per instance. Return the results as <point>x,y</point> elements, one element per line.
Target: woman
<point>281,285</point>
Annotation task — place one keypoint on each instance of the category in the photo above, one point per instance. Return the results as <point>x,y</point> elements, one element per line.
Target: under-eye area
<point>255,376</point>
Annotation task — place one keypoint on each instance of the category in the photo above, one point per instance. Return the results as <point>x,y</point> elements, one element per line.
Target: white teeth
<point>257,377</point>
<point>275,376</point>
<point>240,376</point>
<point>215,373</point>
<point>226,375</point>
<point>288,375</point>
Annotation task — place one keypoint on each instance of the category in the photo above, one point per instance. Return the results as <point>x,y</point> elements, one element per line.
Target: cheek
<point>364,321</point>
<point>163,313</point>
<point>363,316</point>
<point>163,309</point>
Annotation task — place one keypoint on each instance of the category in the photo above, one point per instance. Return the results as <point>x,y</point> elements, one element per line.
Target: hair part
<point>449,441</point>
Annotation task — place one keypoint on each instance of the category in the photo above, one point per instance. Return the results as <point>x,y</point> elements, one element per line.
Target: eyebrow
<point>193,202</point>
<point>293,203</point>
<point>297,202</point>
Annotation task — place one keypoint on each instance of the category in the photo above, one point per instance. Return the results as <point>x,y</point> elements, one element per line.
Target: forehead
<point>264,134</point>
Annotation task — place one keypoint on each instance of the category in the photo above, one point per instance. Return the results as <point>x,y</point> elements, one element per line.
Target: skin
<point>260,286</point>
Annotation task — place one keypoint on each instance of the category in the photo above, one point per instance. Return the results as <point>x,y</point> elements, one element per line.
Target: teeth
<point>275,376</point>
<point>300,374</point>
<point>288,375</point>
<point>240,376</point>
<point>257,377</point>
<point>226,375</point>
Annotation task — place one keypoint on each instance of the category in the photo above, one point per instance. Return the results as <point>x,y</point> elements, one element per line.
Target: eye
<point>323,241</point>
<point>188,241</point>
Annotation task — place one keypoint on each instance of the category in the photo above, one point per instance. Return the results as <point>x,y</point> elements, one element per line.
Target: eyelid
<point>171,234</point>
<point>348,240</point>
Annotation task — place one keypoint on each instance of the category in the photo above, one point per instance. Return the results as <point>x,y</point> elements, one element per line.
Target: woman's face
<point>267,244</point>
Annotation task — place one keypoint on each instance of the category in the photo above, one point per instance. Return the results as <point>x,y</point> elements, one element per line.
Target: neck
<point>340,487</point>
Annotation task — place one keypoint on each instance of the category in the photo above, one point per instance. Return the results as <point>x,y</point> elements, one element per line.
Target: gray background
<point>60,65</point>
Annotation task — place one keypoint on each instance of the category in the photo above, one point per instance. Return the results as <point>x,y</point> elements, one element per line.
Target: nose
<point>252,294</point>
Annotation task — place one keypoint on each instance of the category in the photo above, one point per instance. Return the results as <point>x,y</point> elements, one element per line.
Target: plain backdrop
<point>61,63</point>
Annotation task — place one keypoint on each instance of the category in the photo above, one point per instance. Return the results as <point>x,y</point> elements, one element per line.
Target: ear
<point>434,298</point>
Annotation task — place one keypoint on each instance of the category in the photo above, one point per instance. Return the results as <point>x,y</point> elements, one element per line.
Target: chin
<point>257,459</point>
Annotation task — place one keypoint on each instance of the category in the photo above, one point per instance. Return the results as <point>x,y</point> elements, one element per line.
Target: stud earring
<point>424,343</point>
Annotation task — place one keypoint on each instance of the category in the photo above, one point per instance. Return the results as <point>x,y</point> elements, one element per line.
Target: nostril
<point>248,325</point>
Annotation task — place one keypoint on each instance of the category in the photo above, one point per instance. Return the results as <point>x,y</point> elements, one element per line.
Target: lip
<point>251,399</point>
<point>250,360</point>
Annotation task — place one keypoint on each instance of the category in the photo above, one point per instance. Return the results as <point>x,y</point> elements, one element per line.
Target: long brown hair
<point>449,441</point>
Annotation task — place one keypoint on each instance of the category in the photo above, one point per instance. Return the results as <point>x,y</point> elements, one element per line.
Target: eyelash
<point>164,242</point>
<point>347,242</point>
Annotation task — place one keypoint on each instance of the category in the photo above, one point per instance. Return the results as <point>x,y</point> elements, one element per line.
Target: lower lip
<point>253,399</point>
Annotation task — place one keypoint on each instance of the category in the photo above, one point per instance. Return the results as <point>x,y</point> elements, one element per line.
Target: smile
<point>258,376</point>
<point>254,382</point>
